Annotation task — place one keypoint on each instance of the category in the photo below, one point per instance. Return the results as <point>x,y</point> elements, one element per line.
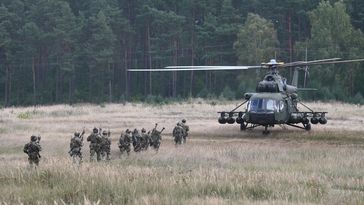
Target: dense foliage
<point>67,51</point>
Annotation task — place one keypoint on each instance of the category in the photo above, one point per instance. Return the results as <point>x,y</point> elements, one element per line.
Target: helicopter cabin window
<point>263,105</point>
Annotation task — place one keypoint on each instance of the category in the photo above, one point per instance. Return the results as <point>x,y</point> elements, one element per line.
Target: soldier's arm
<point>25,149</point>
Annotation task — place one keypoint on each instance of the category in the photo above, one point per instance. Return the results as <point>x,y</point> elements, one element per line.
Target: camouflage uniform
<point>156,138</point>
<point>76,146</point>
<point>124,142</point>
<point>95,142</point>
<point>136,140</point>
<point>186,128</point>
<point>105,145</point>
<point>145,140</point>
<point>32,149</point>
<point>178,133</point>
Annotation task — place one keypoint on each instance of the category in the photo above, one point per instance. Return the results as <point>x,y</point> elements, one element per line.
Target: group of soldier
<point>180,132</point>
<point>100,144</point>
<point>140,142</point>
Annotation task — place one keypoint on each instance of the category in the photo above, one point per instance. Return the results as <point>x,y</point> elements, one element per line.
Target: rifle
<point>162,130</point>
<point>83,132</point>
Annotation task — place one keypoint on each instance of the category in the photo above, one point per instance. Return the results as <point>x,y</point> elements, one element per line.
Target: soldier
<point>76,146</point>
<point>186,129</point>
<point>178,133</point>
<point>95,141</point>
<point>105,145</point>
<point>156,137</point>
<point>136,140</point>
<point>32,149</point>
<point>124,142</point>
<point>145,140</point>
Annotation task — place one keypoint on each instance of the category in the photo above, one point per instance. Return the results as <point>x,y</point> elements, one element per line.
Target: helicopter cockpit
<point>265,105</point>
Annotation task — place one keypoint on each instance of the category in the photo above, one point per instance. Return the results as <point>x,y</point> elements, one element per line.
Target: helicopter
<point>274,103</point>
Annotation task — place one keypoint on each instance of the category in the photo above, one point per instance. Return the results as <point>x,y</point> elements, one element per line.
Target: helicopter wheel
<point>242,126</point>
<point>266,131</point>
<point>307,126</point>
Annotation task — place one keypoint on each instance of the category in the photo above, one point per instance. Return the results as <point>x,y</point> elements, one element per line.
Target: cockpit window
<point>264,105</point>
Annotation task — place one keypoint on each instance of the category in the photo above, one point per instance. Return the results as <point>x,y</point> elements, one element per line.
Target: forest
<point>71,51</point>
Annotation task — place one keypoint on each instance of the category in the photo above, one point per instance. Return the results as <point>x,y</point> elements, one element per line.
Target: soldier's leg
<point>36,161</point>
<point>81,157</point>
<point>30,161</point>
<point>92,153</point>
<point>108,153</point>
<point>128,150</point>
<point>98,155</point>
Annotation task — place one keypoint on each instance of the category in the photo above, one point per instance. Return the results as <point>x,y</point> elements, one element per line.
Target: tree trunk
<point>57,82</point>
<point>34,85</point>
<point>110,84</point>
<point>70,90</point>
<point>174,74</point>
<point>149,60</point>
<point>90,85</point>
<point>192,51</point>
<point>6,100</point>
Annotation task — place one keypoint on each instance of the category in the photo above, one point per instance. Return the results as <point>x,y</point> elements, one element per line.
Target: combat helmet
<point>95,130</point>
<point>127,131</point>
<point>77,134</point>
<point>184,120</point>
<point>104,132</point>
<point>33,138</point>
<point>143,130</point>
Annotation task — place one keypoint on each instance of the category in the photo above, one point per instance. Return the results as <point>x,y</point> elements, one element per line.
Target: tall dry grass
<point>219,165</point>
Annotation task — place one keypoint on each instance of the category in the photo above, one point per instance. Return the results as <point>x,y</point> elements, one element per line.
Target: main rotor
<point>272,65</point>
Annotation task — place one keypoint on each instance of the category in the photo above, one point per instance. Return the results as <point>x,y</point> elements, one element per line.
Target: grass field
<point>218,165</point>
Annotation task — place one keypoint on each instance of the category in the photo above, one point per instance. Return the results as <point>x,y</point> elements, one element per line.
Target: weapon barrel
<point>163,129</point>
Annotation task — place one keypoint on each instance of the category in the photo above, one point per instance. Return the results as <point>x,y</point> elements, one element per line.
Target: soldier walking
<point>156,137</point>
<point>105,145</point>
<point>76,146</point>
<point>145,140</point>
<point>95,142</point>
<point>136,138</point>
<point>178,133</point>
<point>186,128</point>
<point>32,149</point>
<point>124,142</point>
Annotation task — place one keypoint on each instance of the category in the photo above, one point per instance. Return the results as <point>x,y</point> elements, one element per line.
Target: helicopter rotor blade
<point>193,68</point>
<point>337,62</point>
<point>305,63</point>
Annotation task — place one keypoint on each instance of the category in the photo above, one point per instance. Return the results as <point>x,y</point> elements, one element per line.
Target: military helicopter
<point>274,102</point>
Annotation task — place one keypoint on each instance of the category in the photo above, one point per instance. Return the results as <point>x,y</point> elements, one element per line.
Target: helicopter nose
<point>262,118</point>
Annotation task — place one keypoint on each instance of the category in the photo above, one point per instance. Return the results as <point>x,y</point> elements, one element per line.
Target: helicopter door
<point>280,111</point>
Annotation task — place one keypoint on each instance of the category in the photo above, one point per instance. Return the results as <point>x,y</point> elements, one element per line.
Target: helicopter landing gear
<point>266,131</point>
<point>243,126</point>
<point>307,126</point>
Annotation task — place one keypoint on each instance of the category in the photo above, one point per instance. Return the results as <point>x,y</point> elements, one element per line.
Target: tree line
<point>69,51</point>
